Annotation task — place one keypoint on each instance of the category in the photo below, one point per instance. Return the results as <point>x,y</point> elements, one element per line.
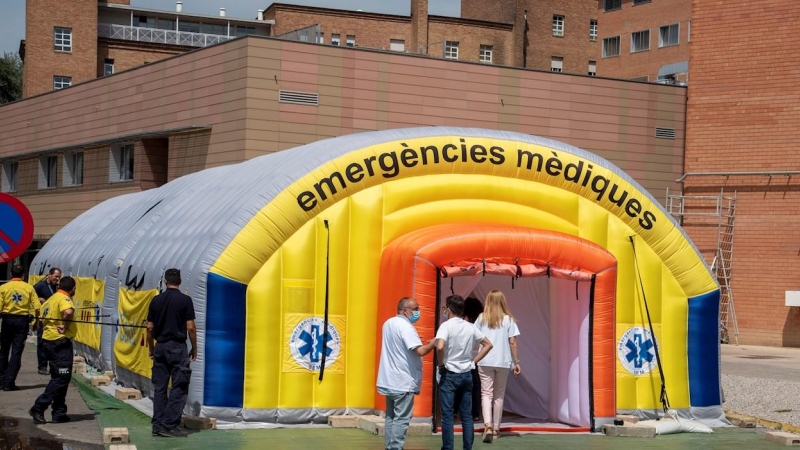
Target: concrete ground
<point>84,431</point>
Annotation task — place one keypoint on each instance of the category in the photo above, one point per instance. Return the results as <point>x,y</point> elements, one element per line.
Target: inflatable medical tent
<point>295,259</point>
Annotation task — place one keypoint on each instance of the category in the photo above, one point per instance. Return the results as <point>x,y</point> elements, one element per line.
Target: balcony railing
<point>156,36</point>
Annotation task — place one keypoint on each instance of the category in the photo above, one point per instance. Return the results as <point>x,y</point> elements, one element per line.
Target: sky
<point>12,19</point>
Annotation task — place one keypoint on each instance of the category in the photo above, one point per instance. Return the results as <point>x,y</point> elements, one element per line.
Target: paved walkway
<point>773,363</point>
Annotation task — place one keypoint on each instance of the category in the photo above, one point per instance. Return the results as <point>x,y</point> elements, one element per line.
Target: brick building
<point>645,40</point>
<point>70,42</point>
<point>743,126</point>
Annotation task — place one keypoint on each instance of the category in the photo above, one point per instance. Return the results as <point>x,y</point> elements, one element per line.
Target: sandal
<point>488,434</point>
<point>496,434</point>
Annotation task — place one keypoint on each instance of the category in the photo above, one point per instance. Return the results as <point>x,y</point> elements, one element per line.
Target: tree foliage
<point>10,78</point>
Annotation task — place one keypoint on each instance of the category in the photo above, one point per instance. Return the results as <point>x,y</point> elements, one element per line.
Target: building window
<point>592,30</point>
<point>668,79</point>
<point>612,5</point>
<point>320,37</point>
<point>108,67</point>
<point>60,82</point>
<point>121,163</point>
<point>645,79</point>
<point>73,168</point>
<point>189,27</point>
<point>640,2</point>
<point>485,55</point>
<point>10,176</point>
<point>336,39</point>
<point>556,64</point>
<point>351,40</point>
<point>668,35</point>
<point>611,47</point>
<point>244,31</point>
<point>397,45</point>
<point>640,41</point>
<point>592,68</point>
<point>63,39</point>
<point>48,172</point>
<point>558,25</point>
<point>450,50</point>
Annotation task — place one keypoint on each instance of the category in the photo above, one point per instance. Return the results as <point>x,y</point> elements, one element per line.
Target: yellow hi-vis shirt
<point>52,313</point>
<point>19,298</point>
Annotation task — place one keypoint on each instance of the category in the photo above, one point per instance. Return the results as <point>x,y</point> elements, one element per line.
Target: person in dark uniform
<point>169,319</point>
<point>19,303</point>
<point>45,288</point>
<point>59,330</point>
<point>472,309</point>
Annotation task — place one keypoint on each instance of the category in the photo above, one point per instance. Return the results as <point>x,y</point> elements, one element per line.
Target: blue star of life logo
<point>16,297</point>
<point>636,351</point>
<point>307,343</point>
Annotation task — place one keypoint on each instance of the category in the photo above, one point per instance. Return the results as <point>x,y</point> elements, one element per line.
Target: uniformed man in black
<point>19,303</point>
<point>45,288</point>
<point>169,320</point>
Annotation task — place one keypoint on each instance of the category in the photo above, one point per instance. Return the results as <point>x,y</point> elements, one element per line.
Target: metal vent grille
<point>299,98</point>
<point>665,133</point>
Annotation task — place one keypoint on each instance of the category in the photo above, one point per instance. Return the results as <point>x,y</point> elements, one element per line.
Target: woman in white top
<point>497,324</point>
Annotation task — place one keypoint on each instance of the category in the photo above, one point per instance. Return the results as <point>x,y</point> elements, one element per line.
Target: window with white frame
<point>556,64</point>
<point>121,163</point>
<point>612,5</point>
<point>640,41</point>
<point>450,50</point>
<point>485,55</point>
<point>60,82</point>
<point>592,68</point>
<point>397,45</point>
<point>668,35</point>
<point>73,168</point>
<point>108,67</point>
<point>62,39</point>
<point>9,183</point>
<point>48,171</point>
<point>558,25</point>
<point>336,39</point>
<point>351,40</point>
<point>611,47</point>
<point>592,30</point>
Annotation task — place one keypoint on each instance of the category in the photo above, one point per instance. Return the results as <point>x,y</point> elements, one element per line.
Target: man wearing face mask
<point>59,330</point>
<point>400,370</point>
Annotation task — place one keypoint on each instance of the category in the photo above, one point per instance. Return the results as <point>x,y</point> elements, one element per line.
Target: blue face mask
<point>414,317</point>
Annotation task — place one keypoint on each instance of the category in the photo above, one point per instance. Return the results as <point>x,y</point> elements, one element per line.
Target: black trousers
<point>41,359</point>
<point>59,356</point>
<point>12,340</point>
<point>170,362</point>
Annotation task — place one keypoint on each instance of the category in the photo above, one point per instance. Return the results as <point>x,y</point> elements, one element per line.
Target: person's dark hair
<point>455,303</point>
<point>173,277</point>
<point>472,309</point>
<point>17,271</point>
<point>66,284</point>
<point>403,303</point>
<point>53,270</point>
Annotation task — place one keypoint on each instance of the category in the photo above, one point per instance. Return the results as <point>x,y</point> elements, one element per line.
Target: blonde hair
<point>494,309</point>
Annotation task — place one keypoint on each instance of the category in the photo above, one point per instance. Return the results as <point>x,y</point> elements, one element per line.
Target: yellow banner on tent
<point>88,303</point>
<point>304,335</point>
<point>130,345</point>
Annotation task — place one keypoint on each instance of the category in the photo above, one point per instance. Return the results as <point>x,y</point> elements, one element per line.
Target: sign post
<point>16,227</point>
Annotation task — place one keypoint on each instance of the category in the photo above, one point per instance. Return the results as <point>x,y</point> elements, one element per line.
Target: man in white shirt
<point>400,370</point>
<point>454,343</point>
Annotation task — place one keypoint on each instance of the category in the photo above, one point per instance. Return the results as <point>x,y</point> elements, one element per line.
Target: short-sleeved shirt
<point>44,289</point>
<point>460,337</point>
<point>52,313</point>
<point>169,311</point>
<point>400,368</point>
<point>18,298</point>
<point>500,354</point>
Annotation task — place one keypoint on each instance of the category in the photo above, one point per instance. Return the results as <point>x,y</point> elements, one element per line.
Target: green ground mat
<point>112,412</point>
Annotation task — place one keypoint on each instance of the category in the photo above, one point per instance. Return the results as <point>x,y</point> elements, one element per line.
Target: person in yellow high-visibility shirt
<point>19,303</point>
<point>57,314</point>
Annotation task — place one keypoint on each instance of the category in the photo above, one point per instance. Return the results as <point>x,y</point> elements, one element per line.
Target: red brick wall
<point>575,46</point>
<point>493,11</point>
<point>470,38</point>
<point>127,55</point>
<point>743,116</point>
<point>631,19</point>
<point>42,62</point>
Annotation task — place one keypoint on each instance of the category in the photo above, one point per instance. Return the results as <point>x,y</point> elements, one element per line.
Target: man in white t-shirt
<point>454,343</point>
<point>400,370</point>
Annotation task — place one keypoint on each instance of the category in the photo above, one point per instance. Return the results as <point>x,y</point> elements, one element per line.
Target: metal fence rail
<point>156,36</point>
